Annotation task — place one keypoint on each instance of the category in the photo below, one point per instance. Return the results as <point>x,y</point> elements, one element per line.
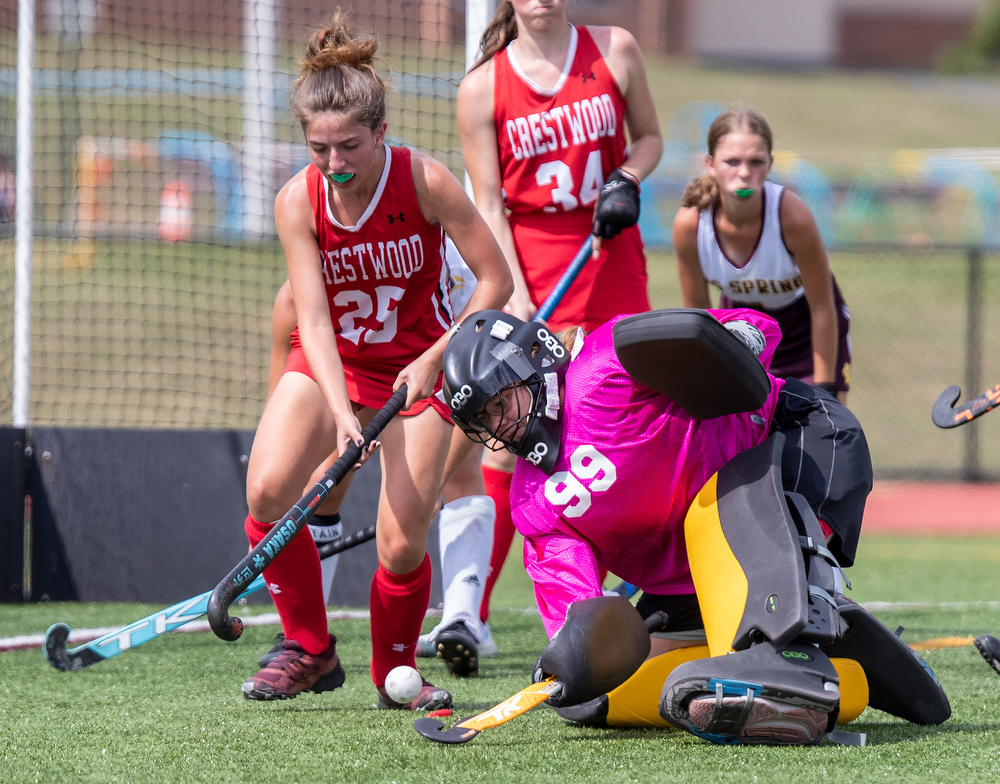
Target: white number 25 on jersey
<point>566,489</point>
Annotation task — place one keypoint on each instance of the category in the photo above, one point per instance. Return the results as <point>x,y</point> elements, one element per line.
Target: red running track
<point>933,508</point>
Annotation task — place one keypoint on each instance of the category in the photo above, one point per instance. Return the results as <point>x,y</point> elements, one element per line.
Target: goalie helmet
<point>491,351</point>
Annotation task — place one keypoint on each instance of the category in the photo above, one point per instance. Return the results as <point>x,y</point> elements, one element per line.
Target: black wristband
<point>830,387</point>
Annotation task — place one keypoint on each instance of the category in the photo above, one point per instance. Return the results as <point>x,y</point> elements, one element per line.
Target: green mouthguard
<point>341,178</point>
<point>744,193</point>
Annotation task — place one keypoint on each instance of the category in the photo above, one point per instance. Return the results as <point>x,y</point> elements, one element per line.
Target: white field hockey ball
<point>403,684</point>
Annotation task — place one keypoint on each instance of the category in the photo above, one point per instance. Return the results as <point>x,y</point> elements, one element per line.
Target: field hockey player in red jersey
<point>362,228</point>
<point>558,128</point>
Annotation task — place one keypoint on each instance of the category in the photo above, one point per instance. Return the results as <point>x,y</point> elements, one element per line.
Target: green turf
<point>171,711</point>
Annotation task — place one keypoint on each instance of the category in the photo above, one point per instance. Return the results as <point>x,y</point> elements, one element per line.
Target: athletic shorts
<point>367,387</point>
<point>683,611</point>
<point>794,355</point>
<point>614,283</point>
<point>826,460</point>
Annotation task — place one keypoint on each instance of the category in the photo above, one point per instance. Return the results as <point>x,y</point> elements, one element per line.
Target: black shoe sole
<point>989,647</point>
<point>459,654</point>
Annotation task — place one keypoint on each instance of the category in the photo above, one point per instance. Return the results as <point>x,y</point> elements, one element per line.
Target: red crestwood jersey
<point>386,281</point>
<point>556,148</point>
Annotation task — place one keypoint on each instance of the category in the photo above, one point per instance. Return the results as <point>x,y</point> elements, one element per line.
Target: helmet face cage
<point>491,352</point>
<point>496,409</point>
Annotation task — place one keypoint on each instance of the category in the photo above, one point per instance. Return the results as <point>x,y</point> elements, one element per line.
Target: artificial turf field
<point>171,710</point>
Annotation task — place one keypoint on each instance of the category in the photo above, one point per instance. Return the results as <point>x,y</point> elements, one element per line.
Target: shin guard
<point>765,695</point>
<point>757,557</point>
<point>465,533</point>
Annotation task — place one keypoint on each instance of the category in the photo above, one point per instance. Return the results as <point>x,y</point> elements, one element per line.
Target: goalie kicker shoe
<point>430,698</point>
<point>767,695</point>
<point>294,671</point>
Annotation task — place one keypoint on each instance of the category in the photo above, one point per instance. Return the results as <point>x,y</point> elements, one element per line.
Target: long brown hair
<point>703,191</point>
<point>498,33</point>
<point>339,74</point>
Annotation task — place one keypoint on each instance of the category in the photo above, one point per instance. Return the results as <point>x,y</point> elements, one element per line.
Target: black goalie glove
<point>617,205</point>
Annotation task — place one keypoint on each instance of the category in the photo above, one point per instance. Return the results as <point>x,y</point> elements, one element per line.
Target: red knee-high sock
<point>498,488</point>
<point>398,603</point>
<point>295,581</point>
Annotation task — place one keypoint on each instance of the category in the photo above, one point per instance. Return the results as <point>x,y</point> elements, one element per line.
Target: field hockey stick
<point>510,708</point>
<point>282,532</point>
<point>160,622</point>
<point>945,415</point>
<point>562,285</point>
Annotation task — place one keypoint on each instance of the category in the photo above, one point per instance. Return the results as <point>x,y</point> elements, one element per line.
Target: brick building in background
<point>818,33</point>
<point>825,33</point>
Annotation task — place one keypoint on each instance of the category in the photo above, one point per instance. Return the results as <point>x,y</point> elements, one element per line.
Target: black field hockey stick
<point>945,415</point>
<point>162,621</point>
<point>282,532</point>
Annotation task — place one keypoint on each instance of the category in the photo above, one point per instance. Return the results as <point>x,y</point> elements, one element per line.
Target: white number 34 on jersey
<point>566,488</point>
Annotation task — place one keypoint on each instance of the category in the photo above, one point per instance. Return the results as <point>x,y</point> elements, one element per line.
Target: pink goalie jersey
<point>631,462</point>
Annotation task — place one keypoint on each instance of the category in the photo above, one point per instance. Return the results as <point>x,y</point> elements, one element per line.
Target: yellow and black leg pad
<point>853,689</point>
<point>774,695</point>
<point>745,553</point>
<point>899,681</point>
<point>636,703</point>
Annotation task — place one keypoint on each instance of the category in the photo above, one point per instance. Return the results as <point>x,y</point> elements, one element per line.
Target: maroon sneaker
<point>430,698</point>
<point>294,671</point>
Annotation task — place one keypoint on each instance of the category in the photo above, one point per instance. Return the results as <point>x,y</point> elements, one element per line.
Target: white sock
<point>322,534</point>
<point>465,532</point>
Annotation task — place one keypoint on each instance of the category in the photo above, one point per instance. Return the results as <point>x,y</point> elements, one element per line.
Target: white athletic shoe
<point>487,645</point>
<point>427,645</point>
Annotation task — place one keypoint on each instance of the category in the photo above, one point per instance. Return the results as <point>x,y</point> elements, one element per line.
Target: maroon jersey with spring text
<point>386,281</point>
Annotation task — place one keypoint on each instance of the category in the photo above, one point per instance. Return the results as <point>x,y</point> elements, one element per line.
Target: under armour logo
<point>273,588</point>
<point>399,647</point>
<point>585,77</point>
<point>392,218</point>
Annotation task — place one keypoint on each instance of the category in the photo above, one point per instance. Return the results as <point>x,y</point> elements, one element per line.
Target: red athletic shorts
<point>367,386</point>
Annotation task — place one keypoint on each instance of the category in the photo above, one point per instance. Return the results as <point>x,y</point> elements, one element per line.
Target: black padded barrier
<point>157,515</point>
<point>12,493</point>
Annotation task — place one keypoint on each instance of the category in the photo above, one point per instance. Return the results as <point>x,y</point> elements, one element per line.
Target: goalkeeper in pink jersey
<point>731,498</point>
<point>608,482</point>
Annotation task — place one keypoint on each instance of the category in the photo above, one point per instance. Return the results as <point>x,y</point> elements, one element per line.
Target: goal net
<point>161,137</point>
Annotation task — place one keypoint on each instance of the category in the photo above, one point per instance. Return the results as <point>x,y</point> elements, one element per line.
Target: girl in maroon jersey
<point>362,228</point>
<point>759,245</point>
<point>558,127</point>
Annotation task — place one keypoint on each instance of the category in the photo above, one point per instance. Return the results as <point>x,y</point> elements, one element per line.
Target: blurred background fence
<point>162,135</point>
